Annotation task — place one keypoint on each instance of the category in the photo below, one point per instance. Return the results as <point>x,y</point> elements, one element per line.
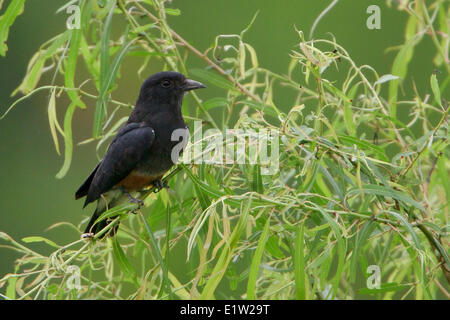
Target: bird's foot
<point>159,185</point>
<point>132,199</point>
<point>139,202</point>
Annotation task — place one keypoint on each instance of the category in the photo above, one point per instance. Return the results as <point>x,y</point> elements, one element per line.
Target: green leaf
<point>226,254</point>
<point>348,112</point>
<point>11,288</point>
<point>213,78</point>
<point>14,9</point>
<point>435,88</point>
<point>214,103</point>
<point>385,192</point>
<point>68,143</point>
<point>37,63</point>
<point>301,277</point>
<point>367,146</point>
<point>386,78</point>
<point>256,262</point>
<point>341,247</point>
<point>202,196</point>
<point>104,53</point>
<point>361,238</point>
<point>90,62</point>
<point>40,239</point>
<point>122,260</point>
<point>348,119</point>
<point>209,191</point>
<point>384,288</point>
<point>408,226</point>
<point>172,12</point>
<point>115,211</point>
<point>257,183</point>
<point>53,120</point>
<point>400,68</point>
<point>267,109</point>
<point>71,64</point>
<point>100,108</point>
<point>144,28</point>
<point>273,248</point>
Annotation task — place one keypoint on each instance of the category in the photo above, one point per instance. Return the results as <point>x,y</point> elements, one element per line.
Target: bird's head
<point>167,87</point>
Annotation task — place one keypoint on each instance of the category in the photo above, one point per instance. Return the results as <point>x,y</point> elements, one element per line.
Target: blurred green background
<point>32,198</point>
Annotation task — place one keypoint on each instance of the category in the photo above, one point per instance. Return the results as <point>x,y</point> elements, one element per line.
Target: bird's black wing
<point>128,147</point>
<point>84,188</point>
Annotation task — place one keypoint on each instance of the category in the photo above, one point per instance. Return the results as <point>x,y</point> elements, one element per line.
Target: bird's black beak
<point>192,85</point>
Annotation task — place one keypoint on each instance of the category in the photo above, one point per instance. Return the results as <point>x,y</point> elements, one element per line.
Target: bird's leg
<point>132,199</point>
<point>159,185</point>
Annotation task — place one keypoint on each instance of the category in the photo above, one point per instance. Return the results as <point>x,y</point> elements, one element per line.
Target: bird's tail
<point>94,226</point>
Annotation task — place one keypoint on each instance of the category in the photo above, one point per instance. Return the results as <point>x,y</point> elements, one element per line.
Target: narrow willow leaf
<point>181,292</point>
<point>400,68</point>
<point>256,262</point>
<point>408,227</point>
<point>68,143</point>
<point>14,9</point>
<point>273,248</point>
<point>202,197</point>
<point>104,53</point>
<point>443,175</point>
<point>385,287</point>
<point>100,108</point>
<point>106,85</point>
<point>366,146</point>
<point>11,288</point>
<point>253,55</point>
<point>385,192</point>
<point>40,239</point>
<point>203,186</point>
<point>348,119</point>
<point>226,254</point>
<point>361,238</point>
<point>257,183</point>
<point>144,28</point>
<point>386,78</point>
<point>116,211</point>
<point>90,62</point>
<point>214,103</point>
<point>336,91</point>
<point>265,108</point>
<point>341,247</point>
<point>348,112</point>
<point>213,78</point>
<point>53,120</point>
<point>333,182</point>
<point>122,260</point>
<point>71,63</point>
<point>435,88</point>
<point>242,57</point>
<point>301,277</point>
<point>37,63</point>
<point>172,12</point>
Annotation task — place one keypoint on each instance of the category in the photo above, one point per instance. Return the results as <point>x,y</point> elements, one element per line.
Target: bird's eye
<point>166,83</point>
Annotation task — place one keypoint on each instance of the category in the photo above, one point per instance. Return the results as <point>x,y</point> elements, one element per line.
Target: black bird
<point>140,153</point>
